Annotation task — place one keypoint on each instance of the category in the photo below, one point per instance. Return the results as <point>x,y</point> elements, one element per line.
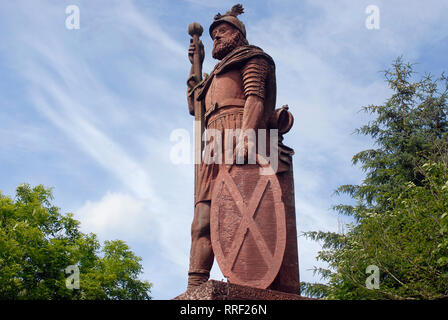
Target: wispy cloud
<point>77,100</point>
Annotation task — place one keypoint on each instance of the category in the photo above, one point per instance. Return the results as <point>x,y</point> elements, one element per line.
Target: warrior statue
<point>243,218</point>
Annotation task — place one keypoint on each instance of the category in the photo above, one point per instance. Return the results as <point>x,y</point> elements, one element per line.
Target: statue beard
<point>225,46</point>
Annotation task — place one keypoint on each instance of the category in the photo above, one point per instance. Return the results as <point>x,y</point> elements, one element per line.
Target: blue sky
<point>90,111</point>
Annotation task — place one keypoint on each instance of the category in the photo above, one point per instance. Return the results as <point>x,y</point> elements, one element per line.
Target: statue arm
<point>193,79</point>
<point>253,112</point>
<point>191,83</point>
<point>254,75</point>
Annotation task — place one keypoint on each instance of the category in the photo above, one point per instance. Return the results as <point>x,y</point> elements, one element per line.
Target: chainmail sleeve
<point>254,75</point>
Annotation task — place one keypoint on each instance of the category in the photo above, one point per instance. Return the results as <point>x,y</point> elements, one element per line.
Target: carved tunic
<point>225,93</point>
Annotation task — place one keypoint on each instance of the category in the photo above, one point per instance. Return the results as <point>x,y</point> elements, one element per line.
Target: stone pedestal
<point>217,290</point>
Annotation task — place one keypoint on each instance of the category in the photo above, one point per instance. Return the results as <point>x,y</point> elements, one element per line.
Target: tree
<point>401,207</point>
<point>38,243</point>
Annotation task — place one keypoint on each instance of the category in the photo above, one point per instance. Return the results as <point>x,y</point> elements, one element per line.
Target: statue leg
<point>201,253</point>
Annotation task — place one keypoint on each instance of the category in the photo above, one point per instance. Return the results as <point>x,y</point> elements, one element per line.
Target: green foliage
<point>37,244</point>
<point>401,207</point>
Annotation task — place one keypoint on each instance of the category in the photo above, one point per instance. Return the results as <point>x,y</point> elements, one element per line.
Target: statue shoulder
<point>256,56</point>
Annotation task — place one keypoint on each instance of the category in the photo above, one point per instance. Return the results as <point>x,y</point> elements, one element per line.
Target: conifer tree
<point>400,209</point>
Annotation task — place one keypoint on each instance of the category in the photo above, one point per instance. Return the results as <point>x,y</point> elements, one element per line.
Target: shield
<point>248,225</point>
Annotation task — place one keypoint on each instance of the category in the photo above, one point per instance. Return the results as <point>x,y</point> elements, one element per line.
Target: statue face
<point>225,39</point>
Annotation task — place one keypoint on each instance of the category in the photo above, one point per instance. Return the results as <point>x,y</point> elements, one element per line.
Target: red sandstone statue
<point>244,218</point>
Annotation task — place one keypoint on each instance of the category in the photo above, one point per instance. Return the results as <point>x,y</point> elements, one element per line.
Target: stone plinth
<point>217,290</point>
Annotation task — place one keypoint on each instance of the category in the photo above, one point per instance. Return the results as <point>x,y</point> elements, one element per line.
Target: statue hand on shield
<point>245,151</point>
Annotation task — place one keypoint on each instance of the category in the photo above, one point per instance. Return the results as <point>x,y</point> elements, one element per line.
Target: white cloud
<point>115,214</point>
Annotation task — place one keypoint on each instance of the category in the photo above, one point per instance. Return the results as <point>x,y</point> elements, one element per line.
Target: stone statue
<point>242,216</point>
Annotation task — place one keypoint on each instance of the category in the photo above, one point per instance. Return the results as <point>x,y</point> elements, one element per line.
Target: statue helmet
<point>231,18</point>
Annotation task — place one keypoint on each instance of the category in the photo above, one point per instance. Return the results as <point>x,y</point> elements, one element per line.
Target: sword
<point>195,31</point>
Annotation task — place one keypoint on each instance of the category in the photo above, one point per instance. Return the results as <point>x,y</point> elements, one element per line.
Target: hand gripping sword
<point>195,31</point>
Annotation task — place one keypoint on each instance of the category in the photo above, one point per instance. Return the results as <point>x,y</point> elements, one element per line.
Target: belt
<point>223,113</point>
<point>231,102</point>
